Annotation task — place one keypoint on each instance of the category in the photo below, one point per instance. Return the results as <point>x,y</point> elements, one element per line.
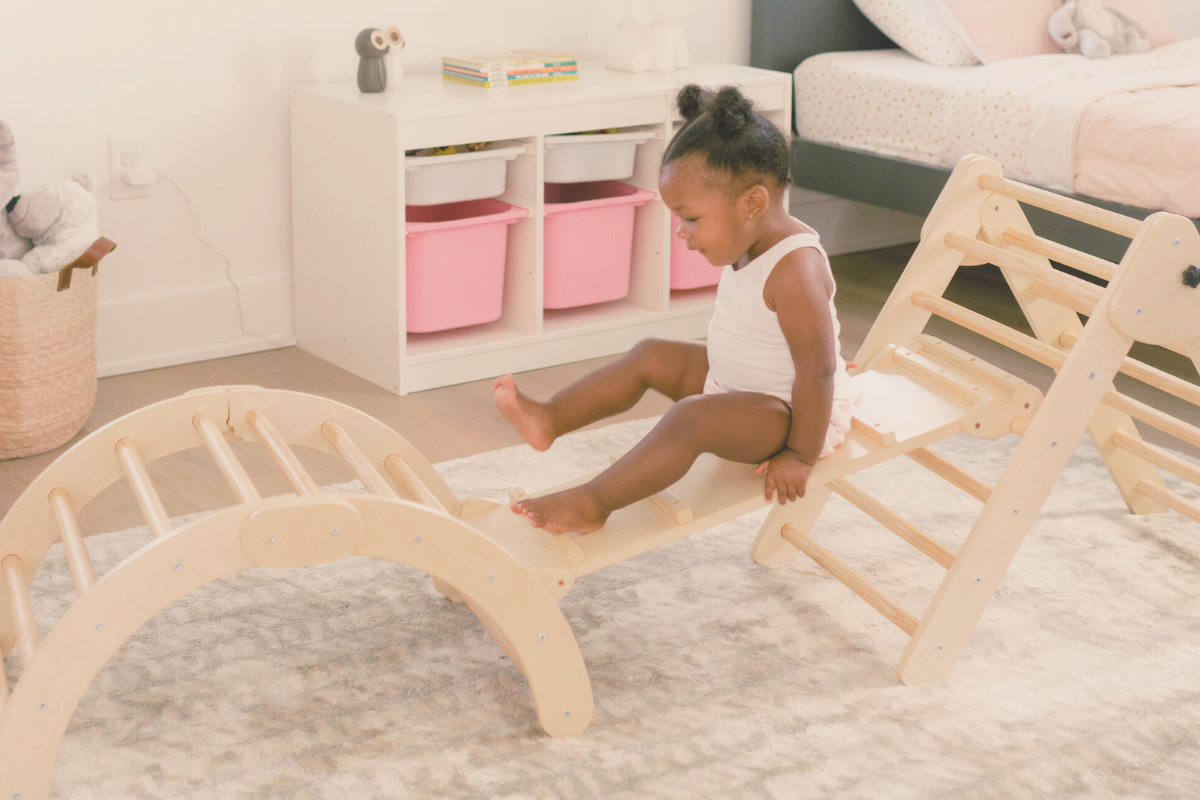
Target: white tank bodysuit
<point>747,351</point>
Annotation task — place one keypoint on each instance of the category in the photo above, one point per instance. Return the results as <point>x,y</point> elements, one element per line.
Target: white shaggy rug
<point>713,677</point>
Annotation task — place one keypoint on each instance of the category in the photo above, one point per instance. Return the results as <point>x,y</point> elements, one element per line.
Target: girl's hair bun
<point>733,139</point>
<point>731,112</point>
<point>691,101</point>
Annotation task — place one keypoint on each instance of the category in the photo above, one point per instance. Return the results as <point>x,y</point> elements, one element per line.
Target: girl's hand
<point>786,473</point>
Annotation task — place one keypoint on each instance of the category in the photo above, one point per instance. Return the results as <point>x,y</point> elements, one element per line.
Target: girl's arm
<point>798,292</point>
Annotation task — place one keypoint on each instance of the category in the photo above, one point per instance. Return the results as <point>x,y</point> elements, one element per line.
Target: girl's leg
<point>677,369</point>
<point>740,426</point>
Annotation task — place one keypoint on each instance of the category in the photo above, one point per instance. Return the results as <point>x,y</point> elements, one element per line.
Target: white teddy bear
<point>12,247</point>
<point>60,220</point>
<point>1096,31</point>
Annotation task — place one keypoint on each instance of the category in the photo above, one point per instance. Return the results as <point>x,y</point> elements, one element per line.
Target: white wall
<point>208,83</point>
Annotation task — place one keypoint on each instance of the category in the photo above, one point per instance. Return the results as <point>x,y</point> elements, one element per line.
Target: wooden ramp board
<point>717,490</point>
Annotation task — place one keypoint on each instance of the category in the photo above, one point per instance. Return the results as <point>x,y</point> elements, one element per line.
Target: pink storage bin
<point>589,241</point>
<point>455,263</point>
<point>689,269</point>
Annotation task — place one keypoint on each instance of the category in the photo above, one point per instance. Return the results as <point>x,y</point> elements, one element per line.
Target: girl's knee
<point>690,420</point>
<point>649,349</point>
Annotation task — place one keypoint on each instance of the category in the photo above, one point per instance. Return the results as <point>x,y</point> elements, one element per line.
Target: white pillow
<point>917,26</point>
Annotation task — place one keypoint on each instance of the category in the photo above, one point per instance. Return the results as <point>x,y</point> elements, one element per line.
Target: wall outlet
<point>125,154</point>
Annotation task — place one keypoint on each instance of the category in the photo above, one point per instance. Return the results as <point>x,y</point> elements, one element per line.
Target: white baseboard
<point>163,331</point>
<point>847,226</point>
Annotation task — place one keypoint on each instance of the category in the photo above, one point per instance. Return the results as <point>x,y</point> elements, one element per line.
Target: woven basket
<point>48,355</point>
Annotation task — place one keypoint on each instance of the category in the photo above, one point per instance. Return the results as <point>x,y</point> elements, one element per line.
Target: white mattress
<point>1023,112</point>
<point>882,101</point>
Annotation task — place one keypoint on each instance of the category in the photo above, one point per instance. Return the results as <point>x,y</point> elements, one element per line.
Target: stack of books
<point>513,68</point>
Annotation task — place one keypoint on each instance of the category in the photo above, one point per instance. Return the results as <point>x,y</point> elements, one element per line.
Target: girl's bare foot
<point>573,509</point>
<point>527,417</point>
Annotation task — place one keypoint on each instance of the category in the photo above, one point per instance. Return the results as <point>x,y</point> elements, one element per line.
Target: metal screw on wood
<point>1016,511</point>
<point>1138,310</point>
<point>99,626</point>
<point>940,647</point>
<point>178,566</point>
<point>1175,243</point>
<point>42,706</point>
<point>491,576</point>
<point>333,532</point>
<point>978,579</point>
<point>273,539</point>
<point>541,637</point>
<point>418,538</point>
<point>1091,376</point>
<point>1054,442</point>
<point>567,713</point>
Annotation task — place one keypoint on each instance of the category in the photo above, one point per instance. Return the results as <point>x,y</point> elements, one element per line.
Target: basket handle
<point>89,260</point>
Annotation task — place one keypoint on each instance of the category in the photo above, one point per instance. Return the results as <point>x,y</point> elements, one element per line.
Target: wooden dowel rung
<point>139,480</point>
<point>997,332</point>
<point>78,561</point>
<point>1077,303</point>
<point>24,623</point>
<point>412,484</point>
<point>352,455</point>
<point>1105,270</point>
<point>1060,283</point>
<point>1153,417</point>
<point>853,581</point>
<point>1064,206</point>
<point>1020,425</point>
<point>889,519</point>
<point>1169,499</point>
<point>1156,456</point>
<point>951,472</point>
<point>302,483</point>
<point>1149,375</point>
<point>227,461</point>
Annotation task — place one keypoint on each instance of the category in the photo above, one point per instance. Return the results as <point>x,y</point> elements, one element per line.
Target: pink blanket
<point>1141,148</point>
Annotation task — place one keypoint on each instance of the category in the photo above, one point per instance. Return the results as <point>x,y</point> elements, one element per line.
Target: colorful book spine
<point>512,68</point>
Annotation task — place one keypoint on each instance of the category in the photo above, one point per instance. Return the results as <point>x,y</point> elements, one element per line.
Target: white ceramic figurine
<point>651,39</point>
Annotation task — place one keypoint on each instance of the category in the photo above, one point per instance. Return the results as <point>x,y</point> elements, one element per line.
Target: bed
<point>851,143</point>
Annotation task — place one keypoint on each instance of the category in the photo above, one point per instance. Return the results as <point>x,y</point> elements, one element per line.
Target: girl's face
<point>710,220</point>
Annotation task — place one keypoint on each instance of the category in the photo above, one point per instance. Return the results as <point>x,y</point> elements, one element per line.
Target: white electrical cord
<point>237,289</point>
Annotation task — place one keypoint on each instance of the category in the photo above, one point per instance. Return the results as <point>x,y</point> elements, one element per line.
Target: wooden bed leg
<point>770,547</point>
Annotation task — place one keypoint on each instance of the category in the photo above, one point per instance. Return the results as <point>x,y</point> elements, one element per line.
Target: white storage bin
<point>575,158</point>
<point>432,180</point>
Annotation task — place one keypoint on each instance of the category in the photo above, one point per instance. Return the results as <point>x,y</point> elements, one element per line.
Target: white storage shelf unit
<point>348,201</point>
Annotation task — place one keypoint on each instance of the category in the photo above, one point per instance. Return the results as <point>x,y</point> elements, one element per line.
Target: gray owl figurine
<point>371,45</point>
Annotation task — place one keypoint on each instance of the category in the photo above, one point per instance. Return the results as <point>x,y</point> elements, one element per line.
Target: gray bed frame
<point>785,32</point>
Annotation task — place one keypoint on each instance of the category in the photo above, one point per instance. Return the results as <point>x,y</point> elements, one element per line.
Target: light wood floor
<point>458,421</point>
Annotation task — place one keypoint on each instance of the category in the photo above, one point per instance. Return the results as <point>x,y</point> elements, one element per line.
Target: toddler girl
<point>768,388</point>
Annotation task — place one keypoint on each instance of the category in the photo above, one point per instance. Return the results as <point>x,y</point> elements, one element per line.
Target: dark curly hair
<point>723,127</point>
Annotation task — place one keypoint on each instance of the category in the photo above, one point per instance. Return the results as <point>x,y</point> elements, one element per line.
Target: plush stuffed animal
<point>652,38</point>
<point>12,246</point>
<point>1097,31</point>
<point>60,220</point>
